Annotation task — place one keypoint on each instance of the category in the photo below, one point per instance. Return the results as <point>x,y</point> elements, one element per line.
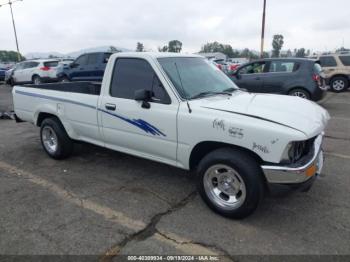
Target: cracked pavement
<point>105,203</point>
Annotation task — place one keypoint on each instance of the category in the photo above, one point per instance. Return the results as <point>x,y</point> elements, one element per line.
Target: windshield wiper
<point>207,93</point>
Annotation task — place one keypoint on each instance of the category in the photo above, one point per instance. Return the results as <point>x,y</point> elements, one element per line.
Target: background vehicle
<point>147,106</point>
<point>35,71</point>
<point>87,67</point>
<point>287,76</point>
<point>337,71</point>
<point>2,74</point>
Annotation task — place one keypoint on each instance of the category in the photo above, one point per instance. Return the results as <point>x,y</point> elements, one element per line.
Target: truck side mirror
<point>143,96</point>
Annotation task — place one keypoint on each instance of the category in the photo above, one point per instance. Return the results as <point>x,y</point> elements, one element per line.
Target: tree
<point>300,52</point>
<point>265,55</point>
<point>163,49</point>
<point>10,56</point>
<point>277,44</point>
<point>218,47</point>
<point>139,47</point>
<point>289,53</point>
<point>246,53</point>
<point>175,46</point>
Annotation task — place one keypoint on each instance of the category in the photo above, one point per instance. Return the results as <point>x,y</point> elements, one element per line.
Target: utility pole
<point>263,32</point>
<point>14,26</point>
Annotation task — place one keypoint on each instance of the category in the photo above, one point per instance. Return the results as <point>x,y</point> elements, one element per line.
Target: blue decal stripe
<point>55,99</point>
<point>143,125</point>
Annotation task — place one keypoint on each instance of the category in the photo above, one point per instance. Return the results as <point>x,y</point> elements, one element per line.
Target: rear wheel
<point>230,182</point>
<point>37,80</point>
<point>55,139</point>
<point>300,93</point>
<point>339,84</point>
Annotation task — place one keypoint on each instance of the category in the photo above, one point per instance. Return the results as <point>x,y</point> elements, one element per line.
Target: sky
<point>70,25</point>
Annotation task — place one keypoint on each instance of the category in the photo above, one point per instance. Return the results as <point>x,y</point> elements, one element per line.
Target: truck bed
<point>89,88</point>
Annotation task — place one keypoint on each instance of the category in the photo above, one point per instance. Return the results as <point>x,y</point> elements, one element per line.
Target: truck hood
<point>294,112</point>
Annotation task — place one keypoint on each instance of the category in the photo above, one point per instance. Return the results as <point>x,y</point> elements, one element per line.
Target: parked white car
<point>182,111</point>
<point>35,71</point>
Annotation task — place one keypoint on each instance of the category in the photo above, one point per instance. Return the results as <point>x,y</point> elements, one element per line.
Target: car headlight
<point>294,151</point>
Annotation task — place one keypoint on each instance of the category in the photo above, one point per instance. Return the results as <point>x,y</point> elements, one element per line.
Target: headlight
<point>294,151</point>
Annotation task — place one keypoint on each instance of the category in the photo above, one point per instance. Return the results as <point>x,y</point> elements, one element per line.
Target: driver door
<point>130,127</point>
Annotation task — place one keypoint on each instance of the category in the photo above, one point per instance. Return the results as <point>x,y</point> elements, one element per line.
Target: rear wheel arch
<point>43,115</point>
<point>339,75</point>
<point>200,150</point>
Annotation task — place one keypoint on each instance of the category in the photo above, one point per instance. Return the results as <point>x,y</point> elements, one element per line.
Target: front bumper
<point>299,172</point>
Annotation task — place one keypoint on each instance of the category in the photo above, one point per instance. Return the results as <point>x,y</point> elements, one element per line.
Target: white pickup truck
<point>183,111</point>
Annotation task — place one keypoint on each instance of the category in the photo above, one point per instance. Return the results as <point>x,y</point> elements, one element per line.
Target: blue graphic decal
<point>145,126</point>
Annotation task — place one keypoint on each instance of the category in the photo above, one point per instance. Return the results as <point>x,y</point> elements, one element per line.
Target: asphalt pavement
<point>104,203</point>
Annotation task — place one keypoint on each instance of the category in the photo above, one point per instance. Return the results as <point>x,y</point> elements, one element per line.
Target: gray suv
<point>286,76</point>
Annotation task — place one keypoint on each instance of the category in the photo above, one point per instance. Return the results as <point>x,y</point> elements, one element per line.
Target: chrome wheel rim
<point>338,85</point>
<point>224,187</point>
<point>49,139</point>
<point>299,94</point>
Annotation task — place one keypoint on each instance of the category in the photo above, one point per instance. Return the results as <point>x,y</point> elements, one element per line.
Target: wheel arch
<point>203,148</point>
<point>340,75</point>
<point>43,115</point>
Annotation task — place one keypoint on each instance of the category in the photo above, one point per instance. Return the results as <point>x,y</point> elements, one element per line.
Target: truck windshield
<point>193,76</point>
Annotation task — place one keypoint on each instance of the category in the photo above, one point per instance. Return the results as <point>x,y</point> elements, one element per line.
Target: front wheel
<point>64,79</point>
<point>230,182</point>
<point>55,139</point>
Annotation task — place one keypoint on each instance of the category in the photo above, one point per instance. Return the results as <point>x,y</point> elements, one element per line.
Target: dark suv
<point>87,67</point>
<point>287,76</point>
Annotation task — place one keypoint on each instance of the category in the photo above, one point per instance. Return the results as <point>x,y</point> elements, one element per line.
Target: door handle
<point>257,78</point>
<point>111,107</point>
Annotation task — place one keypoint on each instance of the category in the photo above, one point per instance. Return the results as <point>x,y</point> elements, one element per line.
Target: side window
<point>131,74</point>
<point>32,64</point>
<point>82,60</point>
<point>280,67</point>
<point>327,61</point>
<point>19,66</point>
<point>345,60</point>
<point>93,59</point>
<point>255,68</point>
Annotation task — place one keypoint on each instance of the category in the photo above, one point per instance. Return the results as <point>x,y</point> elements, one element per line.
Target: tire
<point>55,139</point>
<point>11,82</point>
<point>339,84</point>
<point>36,80</point>
<point>64,79</point>
<point>299,92</point>
<point>227,173</point>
